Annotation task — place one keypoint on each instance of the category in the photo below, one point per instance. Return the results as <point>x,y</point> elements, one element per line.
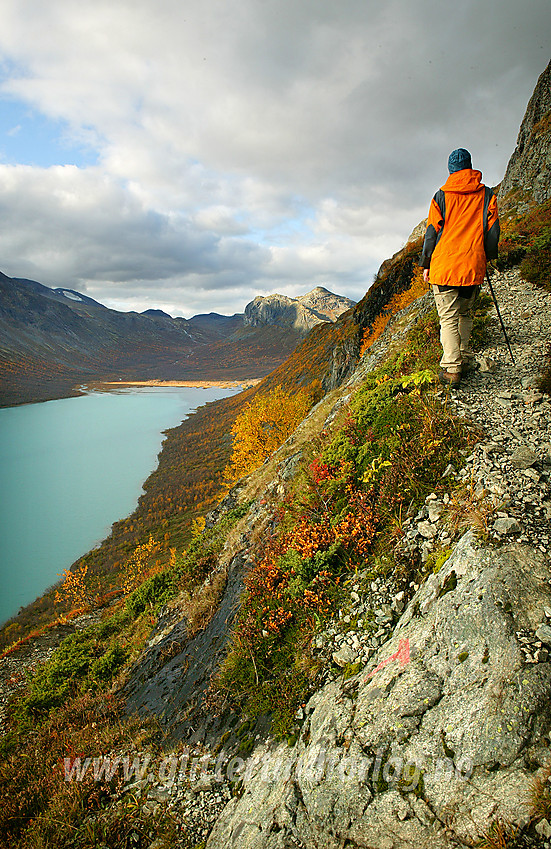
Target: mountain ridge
<point>53,339</point>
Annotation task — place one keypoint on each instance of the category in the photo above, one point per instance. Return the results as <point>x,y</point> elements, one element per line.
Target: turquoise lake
<point>69,469</point>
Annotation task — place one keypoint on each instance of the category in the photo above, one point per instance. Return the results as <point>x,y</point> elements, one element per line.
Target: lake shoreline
<point>188,384</point>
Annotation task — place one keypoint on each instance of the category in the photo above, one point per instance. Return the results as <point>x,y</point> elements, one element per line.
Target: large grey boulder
<point>438,736</point>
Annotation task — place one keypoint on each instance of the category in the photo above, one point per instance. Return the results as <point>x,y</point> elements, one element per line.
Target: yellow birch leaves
<point>262,426</point>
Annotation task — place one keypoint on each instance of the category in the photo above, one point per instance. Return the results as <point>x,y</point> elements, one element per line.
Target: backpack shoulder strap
<point>440,199</point>
<point>488,194</point>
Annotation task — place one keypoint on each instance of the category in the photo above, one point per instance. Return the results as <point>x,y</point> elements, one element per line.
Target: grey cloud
<point>251,145</point>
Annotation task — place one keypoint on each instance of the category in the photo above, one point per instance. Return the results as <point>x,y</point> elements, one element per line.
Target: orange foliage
<point>81,590</point>
<point>137,567</point>
<point>307,538</point>
<point>76,593</point>
<point>274,598</point>
<point>357,528</point>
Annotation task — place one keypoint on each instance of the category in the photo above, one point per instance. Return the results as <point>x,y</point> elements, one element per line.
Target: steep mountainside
<point>353,650</point>
<point>528,174</point>
<point>430,730</point>
<point>53,339</point>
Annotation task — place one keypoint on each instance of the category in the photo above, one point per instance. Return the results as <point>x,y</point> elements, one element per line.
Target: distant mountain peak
<point>300,313</point>
<point>156,313</point>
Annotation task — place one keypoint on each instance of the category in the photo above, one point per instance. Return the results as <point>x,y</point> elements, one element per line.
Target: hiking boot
<point>449,378</point>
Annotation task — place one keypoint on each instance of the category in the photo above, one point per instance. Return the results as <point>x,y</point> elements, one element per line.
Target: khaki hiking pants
<point>455,305</point>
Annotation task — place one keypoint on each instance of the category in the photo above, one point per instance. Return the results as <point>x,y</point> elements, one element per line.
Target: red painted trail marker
<point>402,655</point>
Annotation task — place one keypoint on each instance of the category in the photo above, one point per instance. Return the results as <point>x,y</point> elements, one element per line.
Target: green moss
<point>462,656</point>
<point>419,789</point>
<point>350,670</point>
<point>244,728</point>
<point>436,560</point>
<point>224,738</point>
<point>245,747</point>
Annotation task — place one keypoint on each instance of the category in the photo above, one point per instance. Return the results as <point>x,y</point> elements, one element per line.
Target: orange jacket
<point>462,231</point>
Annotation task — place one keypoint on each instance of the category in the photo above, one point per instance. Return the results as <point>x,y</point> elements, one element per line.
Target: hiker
<point>462,235</point>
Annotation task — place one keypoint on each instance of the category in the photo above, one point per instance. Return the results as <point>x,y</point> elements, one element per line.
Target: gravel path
<point>514,463</point>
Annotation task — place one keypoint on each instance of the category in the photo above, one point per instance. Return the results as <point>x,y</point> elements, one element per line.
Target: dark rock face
<point>343,363</point>
<point>172,676</point>
<point>529,169</point>
<point>394,277</point>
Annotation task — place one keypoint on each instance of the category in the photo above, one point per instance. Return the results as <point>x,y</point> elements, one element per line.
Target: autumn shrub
<point>512,249</point>
<point>290,590</point>
<point>138,566</point>
<point>526,240</point>
<point>396,286</point>
<point>396,442</point>
<point>78,590</point>
<point>536,265</point>
<point>83,590</point>
<point>81,659</point>
<point>262,426</point>
<point>40,808</point>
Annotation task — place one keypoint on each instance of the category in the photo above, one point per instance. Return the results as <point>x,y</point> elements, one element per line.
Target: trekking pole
<point>499,315</point>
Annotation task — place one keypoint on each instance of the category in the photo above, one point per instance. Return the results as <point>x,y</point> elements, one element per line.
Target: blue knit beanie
<point>459,159</point>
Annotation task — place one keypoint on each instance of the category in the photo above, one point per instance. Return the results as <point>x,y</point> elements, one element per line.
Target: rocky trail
<point>514,463</point>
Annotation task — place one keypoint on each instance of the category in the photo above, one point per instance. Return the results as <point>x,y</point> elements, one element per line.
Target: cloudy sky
<point>191,154</point>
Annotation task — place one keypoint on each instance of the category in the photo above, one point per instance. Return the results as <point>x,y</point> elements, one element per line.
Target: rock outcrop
<point>429,743</point>
<point>300,313</point>
<point>529,170</point>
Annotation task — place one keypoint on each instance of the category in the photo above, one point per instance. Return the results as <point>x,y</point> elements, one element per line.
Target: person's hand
<point>426,275</point>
